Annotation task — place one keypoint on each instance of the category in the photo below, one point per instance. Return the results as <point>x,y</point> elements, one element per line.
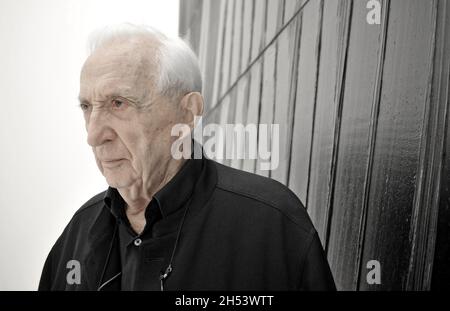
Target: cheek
<point>164,135</point>
<point>137,140</point>
<point>99,164</point>
<point>156,128</point>
<point>133,143</point>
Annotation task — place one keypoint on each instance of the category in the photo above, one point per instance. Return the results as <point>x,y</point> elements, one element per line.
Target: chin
<point>118,180</point>
<point>113,183</point>
<point>119,176</point>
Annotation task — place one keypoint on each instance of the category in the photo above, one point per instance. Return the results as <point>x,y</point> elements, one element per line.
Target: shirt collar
<point>180,188</point>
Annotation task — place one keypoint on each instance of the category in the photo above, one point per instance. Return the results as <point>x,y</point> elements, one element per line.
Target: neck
<point>138,196</point>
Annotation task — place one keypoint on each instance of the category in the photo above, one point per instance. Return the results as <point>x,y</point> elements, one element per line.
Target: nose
<point>98,128</point>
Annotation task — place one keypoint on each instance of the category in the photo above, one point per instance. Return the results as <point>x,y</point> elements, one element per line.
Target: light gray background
<point>48,170</point>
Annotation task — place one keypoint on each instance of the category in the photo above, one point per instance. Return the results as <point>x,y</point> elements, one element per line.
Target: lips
<point>112,163</point>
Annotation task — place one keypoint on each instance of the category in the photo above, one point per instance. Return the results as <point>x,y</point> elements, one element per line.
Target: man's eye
<point>119,104</point>
<point>84,106</point>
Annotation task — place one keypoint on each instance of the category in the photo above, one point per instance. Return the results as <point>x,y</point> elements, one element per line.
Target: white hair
<point>178,67</point>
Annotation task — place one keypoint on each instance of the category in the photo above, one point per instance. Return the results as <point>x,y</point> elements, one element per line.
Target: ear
<point>192,104</point>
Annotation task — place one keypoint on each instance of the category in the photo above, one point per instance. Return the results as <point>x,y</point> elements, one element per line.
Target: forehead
<point>120,66</point>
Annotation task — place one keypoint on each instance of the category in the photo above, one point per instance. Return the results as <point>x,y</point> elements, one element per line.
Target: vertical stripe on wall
<point>396,154</point>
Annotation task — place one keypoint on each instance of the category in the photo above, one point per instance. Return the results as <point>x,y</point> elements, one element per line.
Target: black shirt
<point>174,196</point>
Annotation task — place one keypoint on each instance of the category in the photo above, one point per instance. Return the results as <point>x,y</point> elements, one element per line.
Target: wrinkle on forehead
<point>122,65</point>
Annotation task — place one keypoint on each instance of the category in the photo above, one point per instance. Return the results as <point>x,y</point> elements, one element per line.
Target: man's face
<point>130,143</point>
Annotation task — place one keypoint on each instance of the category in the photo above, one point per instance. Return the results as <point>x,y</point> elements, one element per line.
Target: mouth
<point>111,163</point>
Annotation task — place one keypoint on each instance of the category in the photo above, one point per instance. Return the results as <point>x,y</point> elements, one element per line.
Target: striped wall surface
<point>363,114</point>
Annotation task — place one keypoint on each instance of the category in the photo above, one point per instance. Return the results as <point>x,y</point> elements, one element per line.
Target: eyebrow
<point>126,96</point>
<point>131,99</point>
<point>82,99</point>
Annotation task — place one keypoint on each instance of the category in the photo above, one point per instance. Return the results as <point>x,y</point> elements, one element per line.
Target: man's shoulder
<point>80,222</point>
<point>265,191</point>
<point>91,205</point>
<point>255,186</point>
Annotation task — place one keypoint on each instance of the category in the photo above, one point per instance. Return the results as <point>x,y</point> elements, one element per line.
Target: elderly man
<point>167,223</point>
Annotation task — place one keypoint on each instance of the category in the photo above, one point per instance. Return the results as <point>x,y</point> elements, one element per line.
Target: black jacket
<point>241,232</point>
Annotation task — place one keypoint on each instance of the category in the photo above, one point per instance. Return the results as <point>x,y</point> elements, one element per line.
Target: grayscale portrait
<point>227,145</point>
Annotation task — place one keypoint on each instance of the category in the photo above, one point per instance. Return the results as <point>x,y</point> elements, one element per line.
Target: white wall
<point>47,169</point>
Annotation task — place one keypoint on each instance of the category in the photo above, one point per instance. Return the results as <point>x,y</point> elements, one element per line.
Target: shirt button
<point>137,242</point>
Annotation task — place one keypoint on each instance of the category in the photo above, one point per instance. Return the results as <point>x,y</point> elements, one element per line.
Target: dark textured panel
<point>211,65</point>
<point>364,51</point>
<point>367,156</point>
<point>285,96</point>
<point>236,41</point>
<point>212,116</point>
<point>190,22</point>
<point>211,42</point>
<point>254,101</point>
<point>267,99</point>
<point>190,11</point>
<point>247,30</point>
<point>305,98</point>
<point>228,48</point>
<point>441,268</point>
<point>291,7</point>
<point>223,119</point>
<point>218,74</point>
<point>259,28</point>
<point>403,100</point>
<point>240,116</point>
<point>335,22</point>
<point>273,18</point>
<point>430,178</point>
<point>231,116</point>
